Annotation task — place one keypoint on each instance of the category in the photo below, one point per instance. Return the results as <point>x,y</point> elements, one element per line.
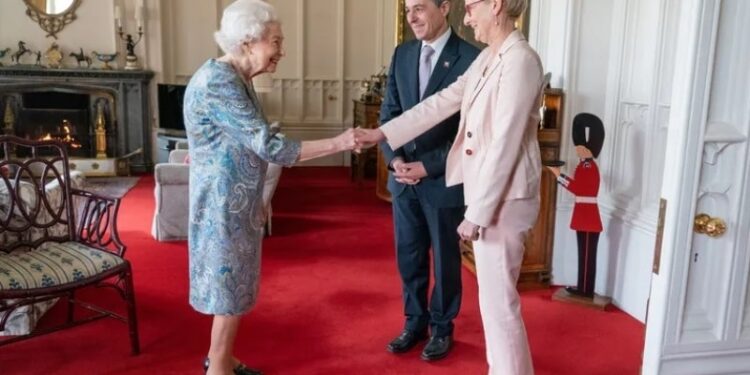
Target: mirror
<point>50,7</point>
<point>52,15</point>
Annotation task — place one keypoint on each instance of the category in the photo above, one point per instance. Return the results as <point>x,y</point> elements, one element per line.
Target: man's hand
<point>398,164</point>
<point>468,231</point>
<point>401,168</point>
<point>413,171</point>
<point>407,181</point>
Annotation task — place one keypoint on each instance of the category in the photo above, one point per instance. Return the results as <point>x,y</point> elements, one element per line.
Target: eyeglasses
<point>468,6</point>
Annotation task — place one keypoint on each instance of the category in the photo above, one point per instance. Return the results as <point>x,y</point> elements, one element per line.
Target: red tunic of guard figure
<point>584,184</point>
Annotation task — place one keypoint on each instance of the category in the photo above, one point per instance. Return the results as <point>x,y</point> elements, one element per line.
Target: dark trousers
<point>587,245</point>
<point>418,225</point>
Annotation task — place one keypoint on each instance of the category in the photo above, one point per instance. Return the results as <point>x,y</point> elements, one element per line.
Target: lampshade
<point>263,83</point>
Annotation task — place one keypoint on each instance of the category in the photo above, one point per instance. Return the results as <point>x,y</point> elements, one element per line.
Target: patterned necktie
<point>425,68</point>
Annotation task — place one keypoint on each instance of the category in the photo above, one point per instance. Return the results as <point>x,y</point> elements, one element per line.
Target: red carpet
<point>330,301</point>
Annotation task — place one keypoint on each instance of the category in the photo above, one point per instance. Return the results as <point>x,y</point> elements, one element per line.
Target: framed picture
<point>455,20</point>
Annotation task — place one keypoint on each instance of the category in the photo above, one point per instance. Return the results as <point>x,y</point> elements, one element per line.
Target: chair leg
<point>132,319</point>
<point>268,220</point>
<point>71,306</point>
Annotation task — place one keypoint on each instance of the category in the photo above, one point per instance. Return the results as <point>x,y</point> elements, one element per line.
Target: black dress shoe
<point>240,369</point>
<point>437,348</point>
<point>405,341</point>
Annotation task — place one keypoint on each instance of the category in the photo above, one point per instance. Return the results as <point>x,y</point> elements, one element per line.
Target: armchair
<point>45,253</point>
<point>172,201</point>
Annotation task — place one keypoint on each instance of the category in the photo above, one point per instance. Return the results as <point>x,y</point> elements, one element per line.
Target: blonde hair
<point>515,8</point>
<point>242,21</point>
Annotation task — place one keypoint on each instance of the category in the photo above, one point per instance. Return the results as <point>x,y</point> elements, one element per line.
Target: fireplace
<point>103,116</point>
<point>69,115</point>
<point>58,115</point>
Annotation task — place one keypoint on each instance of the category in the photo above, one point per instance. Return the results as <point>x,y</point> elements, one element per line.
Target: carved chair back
<point>30,212</point>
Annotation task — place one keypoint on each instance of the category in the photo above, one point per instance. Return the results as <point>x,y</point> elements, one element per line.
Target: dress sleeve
<point>241,119</point>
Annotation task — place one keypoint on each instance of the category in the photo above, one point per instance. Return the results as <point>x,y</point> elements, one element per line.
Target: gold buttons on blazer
<point>469,152</point>
<point>468,134</point>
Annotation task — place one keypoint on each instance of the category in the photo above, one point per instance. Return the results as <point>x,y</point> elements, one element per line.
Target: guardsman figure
<point>584,184</point>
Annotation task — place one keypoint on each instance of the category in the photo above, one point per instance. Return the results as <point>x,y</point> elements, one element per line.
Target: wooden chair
<point>45,253</point>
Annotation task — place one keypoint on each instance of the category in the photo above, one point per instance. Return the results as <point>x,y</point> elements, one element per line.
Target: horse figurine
<point>22,50</point>
<point>3,52</point>
<point>81,57</point>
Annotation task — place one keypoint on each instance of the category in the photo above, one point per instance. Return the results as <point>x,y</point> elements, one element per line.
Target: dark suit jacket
<point>431,148</point>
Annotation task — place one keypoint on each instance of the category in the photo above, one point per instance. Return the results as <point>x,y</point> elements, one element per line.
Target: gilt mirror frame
<point>455,20</point>
<point>52,23</point>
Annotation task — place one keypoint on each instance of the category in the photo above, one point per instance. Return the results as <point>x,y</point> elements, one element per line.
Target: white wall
<point>331,46</point>
<point>616,63</point>
<point>91,31</point>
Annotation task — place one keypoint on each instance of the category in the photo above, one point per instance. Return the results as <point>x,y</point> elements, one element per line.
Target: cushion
<point>26,192</point>
<point>53,264</point>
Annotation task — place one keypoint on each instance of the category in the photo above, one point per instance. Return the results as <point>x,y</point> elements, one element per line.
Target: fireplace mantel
<point>129,88</point>
<point>31,71</point>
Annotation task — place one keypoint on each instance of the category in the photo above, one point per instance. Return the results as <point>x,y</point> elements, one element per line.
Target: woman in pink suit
<point>496,156</point>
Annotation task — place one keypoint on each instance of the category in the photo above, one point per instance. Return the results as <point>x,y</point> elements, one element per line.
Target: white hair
<point>242,21</point>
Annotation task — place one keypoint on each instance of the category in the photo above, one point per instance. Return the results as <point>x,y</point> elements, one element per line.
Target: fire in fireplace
<point>64,136</point>
<point>55,115</point>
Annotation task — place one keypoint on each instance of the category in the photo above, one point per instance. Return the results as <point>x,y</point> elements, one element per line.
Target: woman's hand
<point>346,141</point>
<point>468,231</point>
<point>323,147</point>
<point>368,137</point>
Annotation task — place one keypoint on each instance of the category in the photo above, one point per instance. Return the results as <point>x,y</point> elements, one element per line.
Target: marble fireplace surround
<point>124,95</point>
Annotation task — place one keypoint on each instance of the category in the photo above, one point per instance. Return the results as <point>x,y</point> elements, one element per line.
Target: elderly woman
<point>496,156</point>
<point>231,145</point>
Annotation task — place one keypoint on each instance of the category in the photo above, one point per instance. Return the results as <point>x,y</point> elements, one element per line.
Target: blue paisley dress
<point>230,145</point>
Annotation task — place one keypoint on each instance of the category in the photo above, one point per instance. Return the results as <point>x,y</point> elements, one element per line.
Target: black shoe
<point>576,292</point>
<point>405,341</point>
<point>437,348</point>
<point>240,369</point>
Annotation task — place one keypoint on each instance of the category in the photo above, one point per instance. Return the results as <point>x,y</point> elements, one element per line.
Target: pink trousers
<point>498,254</point>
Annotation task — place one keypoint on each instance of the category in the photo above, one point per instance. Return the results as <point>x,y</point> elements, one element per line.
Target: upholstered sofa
<point>171,192</point>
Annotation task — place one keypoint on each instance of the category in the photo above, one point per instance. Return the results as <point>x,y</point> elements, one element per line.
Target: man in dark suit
<point>426,213</point>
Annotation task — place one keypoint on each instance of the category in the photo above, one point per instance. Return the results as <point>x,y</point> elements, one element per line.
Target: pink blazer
<point>496,153</point>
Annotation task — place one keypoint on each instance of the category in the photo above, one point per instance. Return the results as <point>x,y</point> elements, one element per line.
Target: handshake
<point>357,138</point>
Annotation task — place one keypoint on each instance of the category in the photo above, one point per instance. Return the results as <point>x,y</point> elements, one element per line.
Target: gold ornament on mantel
<point>9,119</point>
<point>100,133</point>
<point>54,56</point>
